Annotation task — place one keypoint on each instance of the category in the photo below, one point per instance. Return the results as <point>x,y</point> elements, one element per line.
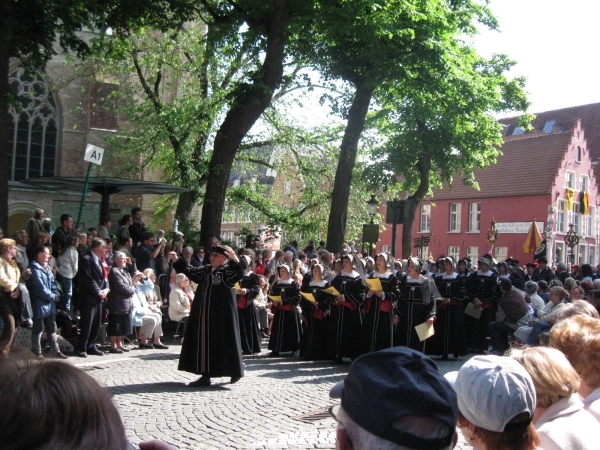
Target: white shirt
<point>67,262</point>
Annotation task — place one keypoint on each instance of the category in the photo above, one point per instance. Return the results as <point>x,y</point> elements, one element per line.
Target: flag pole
<point>85,188</point>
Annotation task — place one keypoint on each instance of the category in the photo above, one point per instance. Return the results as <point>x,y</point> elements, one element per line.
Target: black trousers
<point>89,324</point>
<point>499,333</point>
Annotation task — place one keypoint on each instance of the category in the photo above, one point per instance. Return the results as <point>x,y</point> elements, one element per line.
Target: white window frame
<point>592,258</point>
<point>425,219</point>
<point>581,253</point>
<point>589,222</point>
<point>454,252</point>
<point>473,254</point>
<point>474,217</point>
<point>576,219</point>
<point>501,253</point>
<point>561,246</point>
<point>562,216</point>
<point>570,180</point>
<point>455,215</point>
<point>584,183</point>
<point>386,249</point>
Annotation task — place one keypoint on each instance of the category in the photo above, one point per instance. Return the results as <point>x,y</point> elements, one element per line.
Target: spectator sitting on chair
<point>409,405</point>
<point>180,300</point>
<point>512,314</point>
<point>146,317</point>
<point>544,318</point>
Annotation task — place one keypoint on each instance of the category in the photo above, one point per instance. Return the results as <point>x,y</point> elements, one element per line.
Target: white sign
<point>93,154</point>
<point>517,227</point>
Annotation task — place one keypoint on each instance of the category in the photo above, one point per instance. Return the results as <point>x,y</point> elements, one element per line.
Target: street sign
<point>93,154</point>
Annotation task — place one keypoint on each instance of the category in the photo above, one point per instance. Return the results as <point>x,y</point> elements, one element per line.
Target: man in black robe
<point>212,346</point>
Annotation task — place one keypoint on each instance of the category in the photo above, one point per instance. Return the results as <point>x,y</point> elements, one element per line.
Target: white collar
<point>288,281</point>
<point>489,273</point>
<point>445,276</point>
<point>318,283</point>
<point>354,274</point>
<point>385,275</point>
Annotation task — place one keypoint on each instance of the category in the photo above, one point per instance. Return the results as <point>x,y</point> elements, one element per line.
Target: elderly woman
<point>532,297</point>
<point>44,295</point>
<point>147,317</point>
<point>579,339</point>
<point>560,420</point>
<point>9,303</point>
<point>180,300</point>
<point>496,404</point>
<point>120,302</point>
<point>544,318</point>
<point>417,305</point>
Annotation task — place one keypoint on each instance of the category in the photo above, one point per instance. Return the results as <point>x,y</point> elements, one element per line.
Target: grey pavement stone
<point>255,413</point>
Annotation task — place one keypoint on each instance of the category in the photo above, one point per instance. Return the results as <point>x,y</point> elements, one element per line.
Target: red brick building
<point>530,180</point>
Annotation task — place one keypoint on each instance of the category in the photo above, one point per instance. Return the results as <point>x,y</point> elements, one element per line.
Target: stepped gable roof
<point>528,166</point>
<point>565,121</point>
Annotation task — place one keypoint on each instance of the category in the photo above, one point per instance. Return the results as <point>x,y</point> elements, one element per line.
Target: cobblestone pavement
<point>259,412</point>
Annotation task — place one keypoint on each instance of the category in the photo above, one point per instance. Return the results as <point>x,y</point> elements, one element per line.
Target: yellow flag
<point>570,197</point>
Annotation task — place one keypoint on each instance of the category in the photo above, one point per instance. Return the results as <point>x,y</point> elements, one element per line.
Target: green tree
<point>30,28</point>
<point>439,125</point>
<point>366,43</point>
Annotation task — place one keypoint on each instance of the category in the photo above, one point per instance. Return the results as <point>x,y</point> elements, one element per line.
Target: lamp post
<point>571,239</point>
<point>371,231</point>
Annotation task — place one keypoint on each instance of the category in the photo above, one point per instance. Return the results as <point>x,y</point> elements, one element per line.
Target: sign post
<point>93,155</point>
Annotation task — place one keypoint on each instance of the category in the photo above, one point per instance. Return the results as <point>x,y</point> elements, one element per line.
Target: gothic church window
<point>33,129</point>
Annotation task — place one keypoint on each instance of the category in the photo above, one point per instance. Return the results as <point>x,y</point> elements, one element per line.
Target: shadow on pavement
<point>165,387</point>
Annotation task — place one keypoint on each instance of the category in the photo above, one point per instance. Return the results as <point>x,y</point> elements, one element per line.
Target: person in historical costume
<point>449,324</point>
<point>517,277</point>
<point>542,272</point>
<point>315,316</point>
<point>418,297</point>
<point>286,328</point>
<point>212,346</point>
<point>377,329</point>
<point>248,319</point>
<point>346,311</point>
<point>482,293</point>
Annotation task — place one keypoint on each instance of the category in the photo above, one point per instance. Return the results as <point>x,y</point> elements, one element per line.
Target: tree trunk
<point>336,227</point>
<point>250,102</point>
<point>5,46</point>
<point>413,201</point>
<point>185,205</point>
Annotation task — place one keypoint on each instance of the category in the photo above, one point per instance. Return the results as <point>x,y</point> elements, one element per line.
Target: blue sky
<point>555,44</point>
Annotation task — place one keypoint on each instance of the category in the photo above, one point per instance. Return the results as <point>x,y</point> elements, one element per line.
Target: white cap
<point>492,390</point>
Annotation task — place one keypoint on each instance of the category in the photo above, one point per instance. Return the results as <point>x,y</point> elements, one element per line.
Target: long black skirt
<point>343,332</point>
<point>450,337</point>
<point>376,332</point>
<point>249,329</point>
<point>285,333</point>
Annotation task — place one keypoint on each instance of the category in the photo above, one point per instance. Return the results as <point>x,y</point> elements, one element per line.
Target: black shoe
<point>160,346</point>
<point>273,355</point>
<point>145,345</point>
<point>338,360</point>
<point>116,350</point>
<point>123,349</point>
<point>234,380</point>
<point>94,351</point>
<point>264,335</point>
<point>200,382</point>
<point>80,354</point>
<point>247,353</point>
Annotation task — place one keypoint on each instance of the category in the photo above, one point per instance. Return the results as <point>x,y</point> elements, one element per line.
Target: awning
<point>533,240</point>
<point>105,186</point>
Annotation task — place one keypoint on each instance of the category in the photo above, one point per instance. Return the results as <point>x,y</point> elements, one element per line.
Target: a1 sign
<point>93,154</point>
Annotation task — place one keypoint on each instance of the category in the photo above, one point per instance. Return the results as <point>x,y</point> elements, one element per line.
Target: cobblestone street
<point>262,410</point>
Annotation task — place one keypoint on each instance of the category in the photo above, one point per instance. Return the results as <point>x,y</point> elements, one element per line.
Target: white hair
<point>289,253</point>
<point>188,249</point>
<point>363,440</point>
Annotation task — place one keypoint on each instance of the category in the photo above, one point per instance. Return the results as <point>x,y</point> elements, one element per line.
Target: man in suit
<point>93,289</point>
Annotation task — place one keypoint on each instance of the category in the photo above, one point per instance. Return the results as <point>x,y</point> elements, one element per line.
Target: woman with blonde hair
<point>579,339</point>
<point>9,281</point>
<point>297,271</point>
<point>560,420</point>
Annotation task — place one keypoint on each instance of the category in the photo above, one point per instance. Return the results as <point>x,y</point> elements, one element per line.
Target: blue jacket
<point>42,290</point>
